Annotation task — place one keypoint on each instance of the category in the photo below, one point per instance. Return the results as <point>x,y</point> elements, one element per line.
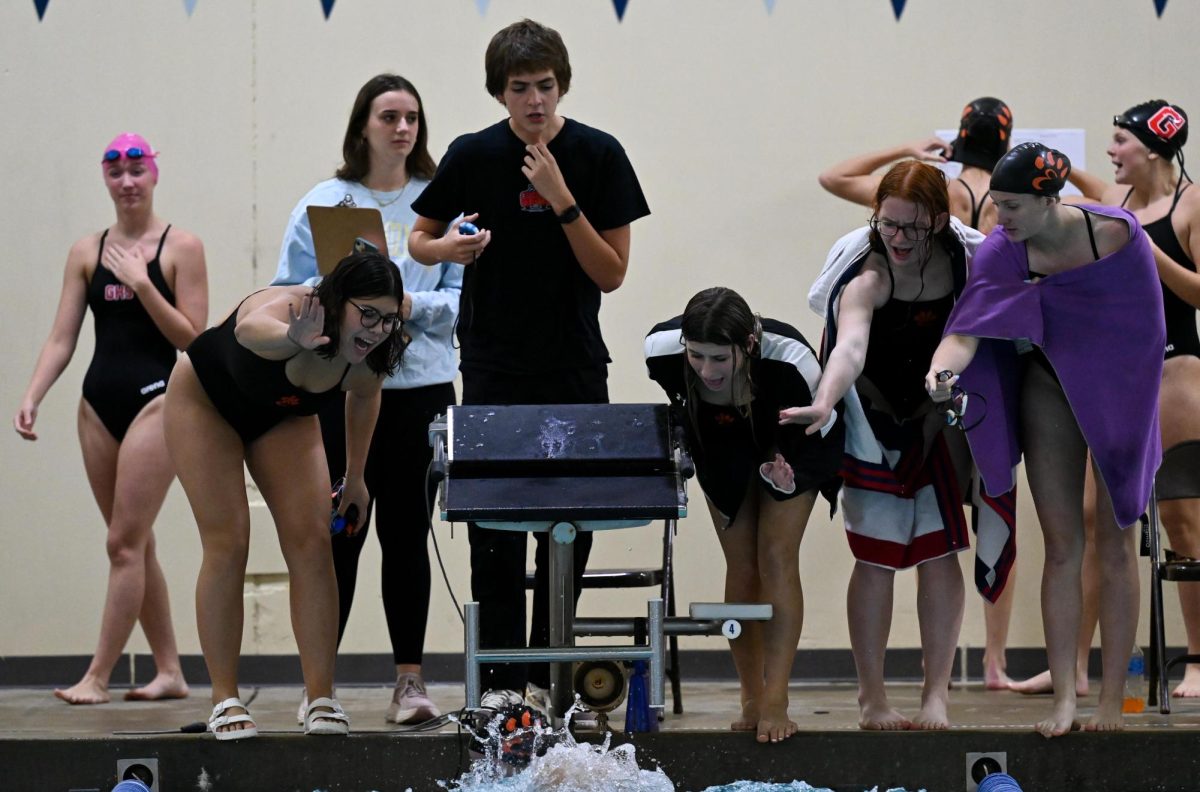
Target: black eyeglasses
<point>889,228</point>
<point>112,155</point>
<point>955,409</point>
<point>370,317</point>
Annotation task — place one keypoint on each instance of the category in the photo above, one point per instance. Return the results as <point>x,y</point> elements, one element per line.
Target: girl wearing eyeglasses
<point>145,283</point>
<point>886,292</point>
<point>246,395</point>
<point>984,135</point>
<point>1055,289</point>
<point>386,165</point>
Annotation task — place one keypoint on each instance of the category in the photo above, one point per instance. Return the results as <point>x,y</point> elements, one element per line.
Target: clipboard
<point>334,229</point>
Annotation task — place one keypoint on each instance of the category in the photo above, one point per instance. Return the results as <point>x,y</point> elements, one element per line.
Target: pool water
<point>569,766</point>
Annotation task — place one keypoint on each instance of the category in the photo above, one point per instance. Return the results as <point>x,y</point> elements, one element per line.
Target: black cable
<point>196,727</point>
<point>437,550</point>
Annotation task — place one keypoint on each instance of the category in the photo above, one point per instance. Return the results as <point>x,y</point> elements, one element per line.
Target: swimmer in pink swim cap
<point>144,282</point>
<point>131,147</point>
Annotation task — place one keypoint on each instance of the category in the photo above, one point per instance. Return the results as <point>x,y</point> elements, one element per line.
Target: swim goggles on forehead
<point>133,153</point>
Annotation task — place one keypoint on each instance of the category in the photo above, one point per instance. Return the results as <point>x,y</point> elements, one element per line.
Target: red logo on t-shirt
<point>116,292</point>
<point>725,418</point>
<point>287,401</point>
<point>532,200</point>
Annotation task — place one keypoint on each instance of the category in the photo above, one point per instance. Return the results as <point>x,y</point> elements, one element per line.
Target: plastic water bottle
<point>1135,683</point>
<point>638,715</point>
<point>999,782</point>
<point>131,785</point>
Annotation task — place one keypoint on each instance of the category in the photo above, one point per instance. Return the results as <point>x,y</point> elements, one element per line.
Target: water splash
<point>561,764</point>
<point>564,766</point>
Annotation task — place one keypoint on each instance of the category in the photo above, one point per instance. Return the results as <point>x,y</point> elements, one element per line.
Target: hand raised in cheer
<point>306,328</point>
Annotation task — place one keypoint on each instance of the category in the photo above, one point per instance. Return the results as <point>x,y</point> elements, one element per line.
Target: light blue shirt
<point>435,291</point>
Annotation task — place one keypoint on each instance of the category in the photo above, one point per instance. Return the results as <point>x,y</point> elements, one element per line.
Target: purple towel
<point>1101,327</point>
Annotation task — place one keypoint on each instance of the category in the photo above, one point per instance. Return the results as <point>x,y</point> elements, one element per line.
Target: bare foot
<point>749,719</point>
<point>163,686</point>
<point>881,718</point>
<point>1041,685</point>
<point>1106,718</point>
<point>932,715</point>
<point>86,691</point>
<point>1190,686</point>
<point>995,678</point>
<point>775,726</point>
<point>1059,723</point>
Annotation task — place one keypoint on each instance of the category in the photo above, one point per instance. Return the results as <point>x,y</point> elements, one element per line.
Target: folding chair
<point>1178,478</point>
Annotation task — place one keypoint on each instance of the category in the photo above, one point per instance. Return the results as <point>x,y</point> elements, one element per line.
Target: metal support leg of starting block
<point>564,655</point>
<point>562,612</point>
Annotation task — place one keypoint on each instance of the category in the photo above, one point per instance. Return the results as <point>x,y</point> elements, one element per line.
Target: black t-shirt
<point>527,305</point>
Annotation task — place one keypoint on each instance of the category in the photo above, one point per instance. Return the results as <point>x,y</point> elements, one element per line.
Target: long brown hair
<point>721,316</point>
<point>355,152</point>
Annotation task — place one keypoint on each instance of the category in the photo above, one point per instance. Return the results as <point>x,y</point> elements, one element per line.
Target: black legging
<point>498,557</point>
<point>395,477</point>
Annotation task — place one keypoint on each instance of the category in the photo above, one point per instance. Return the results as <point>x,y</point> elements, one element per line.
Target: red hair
<point>922,184</point>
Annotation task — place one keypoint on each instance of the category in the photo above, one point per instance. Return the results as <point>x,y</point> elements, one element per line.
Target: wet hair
<point>355,151</point>
<point>1032,169</point>
<point>362,275</point>
<point>984,133</point>
<point>925,186</point>
<point>524,47</point>
<point>721,316</point>
<point>917,182</point>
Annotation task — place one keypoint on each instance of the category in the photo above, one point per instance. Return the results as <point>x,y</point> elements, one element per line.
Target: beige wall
<point>727,112</point>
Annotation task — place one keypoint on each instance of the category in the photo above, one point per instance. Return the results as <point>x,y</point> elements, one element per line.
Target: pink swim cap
<point>131,146</point>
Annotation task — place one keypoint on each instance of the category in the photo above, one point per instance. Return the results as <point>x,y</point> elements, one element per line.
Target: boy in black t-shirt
<point>553,200</point>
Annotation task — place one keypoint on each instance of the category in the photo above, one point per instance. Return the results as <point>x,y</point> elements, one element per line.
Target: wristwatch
<point>570,214</point>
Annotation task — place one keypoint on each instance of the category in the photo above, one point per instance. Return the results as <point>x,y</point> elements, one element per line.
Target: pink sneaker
<point>410,702</point>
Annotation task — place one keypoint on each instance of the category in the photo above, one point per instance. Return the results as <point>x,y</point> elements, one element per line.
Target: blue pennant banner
<point>770,4</point>
<point>40,5</point>
<point>1160,6</point>
<point>482,5</point>
<point>327,5</point>
<point>620,6</point>
<point>898,7</point>
<point>189,6</point>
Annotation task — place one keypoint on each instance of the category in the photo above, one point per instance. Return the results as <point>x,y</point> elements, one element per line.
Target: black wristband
<point>570,214</point>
